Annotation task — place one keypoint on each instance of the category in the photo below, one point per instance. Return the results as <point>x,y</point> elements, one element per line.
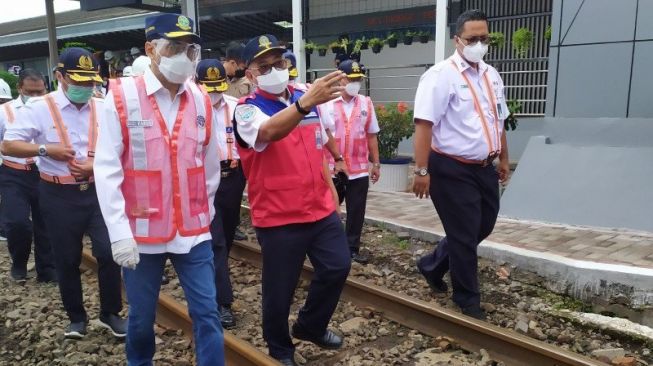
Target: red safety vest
<point>164,180</point>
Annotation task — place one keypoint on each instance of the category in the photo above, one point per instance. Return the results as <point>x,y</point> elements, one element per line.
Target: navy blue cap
<point>292,67</point>
<point>79,64</point>
<point>352,68</point>
<point>211,74</point>
<point>259,46</point>
<point>169,26</point>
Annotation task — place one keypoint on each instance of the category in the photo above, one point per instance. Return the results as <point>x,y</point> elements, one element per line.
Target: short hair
<point>467,16</point>
<point>234,52</point>
<point>30,74</point>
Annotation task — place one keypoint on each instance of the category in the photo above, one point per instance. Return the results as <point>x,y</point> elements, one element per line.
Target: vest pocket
<point>142,190</point>
<point>197,196</point>
<point>360,154</point>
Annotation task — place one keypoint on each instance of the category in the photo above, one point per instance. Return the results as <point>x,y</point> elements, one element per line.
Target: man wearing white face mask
<point>156,184</point>
<point>61,129</point>
<point>352,120</point>
<point>212,76</point>
<point>292,198</point>
<point>459,112</point>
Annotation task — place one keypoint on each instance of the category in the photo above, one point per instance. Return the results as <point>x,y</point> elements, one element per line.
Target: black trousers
<point>20,197</point>
<point>284,250</point>
<point>69,213</point>
<point>223,228</point>
<point>466,198</point>
<point>356,201</point>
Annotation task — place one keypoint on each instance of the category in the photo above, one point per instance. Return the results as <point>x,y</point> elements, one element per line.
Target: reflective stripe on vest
<point>62,132</point>
<point>354,148</point>
<point>164,183</point>
<point>479,110</point>
<point>229,133</point>
<point>9,112</point>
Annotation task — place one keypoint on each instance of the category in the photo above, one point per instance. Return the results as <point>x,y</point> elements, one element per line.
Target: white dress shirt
<point>250,118</point>
<point>443,98</point>
<point>16,105</point>
<point>219,125</point>
<point>109,171</point>
<point>329,115</point>
<point>34,123</point>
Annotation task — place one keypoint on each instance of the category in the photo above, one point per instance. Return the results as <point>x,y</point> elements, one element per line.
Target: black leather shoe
<point>360,258</point>
<point>437,286</point>
<point>226,316</point>
<point>18,275</point>
<point>475,312</point>
<point>329,340</point>
<point>239,235</point>
<point>288,362</point>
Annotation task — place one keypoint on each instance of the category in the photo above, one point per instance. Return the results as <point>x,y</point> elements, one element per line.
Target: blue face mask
<point>79,94</point>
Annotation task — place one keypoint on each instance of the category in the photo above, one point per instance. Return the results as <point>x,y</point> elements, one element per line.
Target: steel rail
<point>471,334</point>
<point>174,315</point>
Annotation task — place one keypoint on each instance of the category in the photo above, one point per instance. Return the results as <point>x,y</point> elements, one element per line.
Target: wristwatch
<point>43,151</point>
<point>339,158</point>
<point>376,165</point>
<point>421,172</point>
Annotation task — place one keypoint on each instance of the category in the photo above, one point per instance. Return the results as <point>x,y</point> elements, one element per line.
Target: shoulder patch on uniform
<point>246,112</point>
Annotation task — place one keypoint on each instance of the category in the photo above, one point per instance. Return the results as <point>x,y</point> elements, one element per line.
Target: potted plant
<point>360,44</point>
<point>424,36</point>
<point>321,50</point>
<point>364,43</point>
<point>511,122</point>
<point>521,41</point>
<point>547,33</point>
<point>392,40</point>
<point>497,39</point>
<point>309,47</point>
<point>408,37</point>
<point>396,124</point>
<point>376,44</point>
<point>336,47</point>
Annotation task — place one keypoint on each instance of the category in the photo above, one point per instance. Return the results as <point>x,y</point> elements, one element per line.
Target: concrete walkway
<point>586,262</point>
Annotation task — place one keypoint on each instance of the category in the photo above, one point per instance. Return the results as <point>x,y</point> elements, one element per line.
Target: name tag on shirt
<point>140,123</point>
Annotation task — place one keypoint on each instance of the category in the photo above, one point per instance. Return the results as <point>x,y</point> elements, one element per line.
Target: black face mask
<point>240,73</point>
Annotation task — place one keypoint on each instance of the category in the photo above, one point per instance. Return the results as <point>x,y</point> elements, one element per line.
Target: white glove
<point>125,253</point>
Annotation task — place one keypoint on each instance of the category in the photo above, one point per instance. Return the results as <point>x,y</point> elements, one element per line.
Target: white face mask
<point>215,98</point>
<point>353,88</point>
<point>275,82</point>
<point>475,52</point>
<point>177,69</point>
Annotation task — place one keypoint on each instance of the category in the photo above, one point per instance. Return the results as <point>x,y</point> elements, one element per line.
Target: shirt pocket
<point>52,136</point>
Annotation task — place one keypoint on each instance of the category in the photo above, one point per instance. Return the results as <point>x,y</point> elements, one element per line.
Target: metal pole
<point>190,8</point>
<point>52,35</point>
<point>440,30</point>
<point>298,39</point>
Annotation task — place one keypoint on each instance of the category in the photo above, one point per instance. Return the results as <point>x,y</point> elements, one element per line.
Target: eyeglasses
<point>472,40</point>
<point>280,65</point>
<point>172,47</point>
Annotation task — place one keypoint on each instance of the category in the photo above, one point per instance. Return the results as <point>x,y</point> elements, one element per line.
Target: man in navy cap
<point>293,201</point>
<point>234,65</point>
<point>211,75</point>
<point>61,128</point>
<point>156,186</point>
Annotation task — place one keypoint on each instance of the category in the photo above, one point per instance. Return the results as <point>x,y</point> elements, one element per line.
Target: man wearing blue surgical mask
<point>19,179</point>
<point>60,129</point>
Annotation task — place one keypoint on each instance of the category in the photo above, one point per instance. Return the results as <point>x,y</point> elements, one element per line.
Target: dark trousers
<point>223,228</point>
<point>69,213</point>
<point>466,198</point>
<point>356,201</point>
<point>20,196</point>
<point>284,251</point>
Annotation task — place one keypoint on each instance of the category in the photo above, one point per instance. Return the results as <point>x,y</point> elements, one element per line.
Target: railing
<point>393,84</point>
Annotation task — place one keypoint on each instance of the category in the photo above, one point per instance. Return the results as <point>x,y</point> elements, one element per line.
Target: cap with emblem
<point>352,68</point>
<point>211,74</point>
<point>259,46</point>
<point>79,65</point>
<point>169,26</point>
<point>292,67</point>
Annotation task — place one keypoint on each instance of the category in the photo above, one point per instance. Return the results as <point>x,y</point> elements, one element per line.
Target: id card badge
<point>318,139</point>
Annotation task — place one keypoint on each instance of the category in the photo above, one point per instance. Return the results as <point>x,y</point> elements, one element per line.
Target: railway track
<point>472,335</point>
<point>172,314</point>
